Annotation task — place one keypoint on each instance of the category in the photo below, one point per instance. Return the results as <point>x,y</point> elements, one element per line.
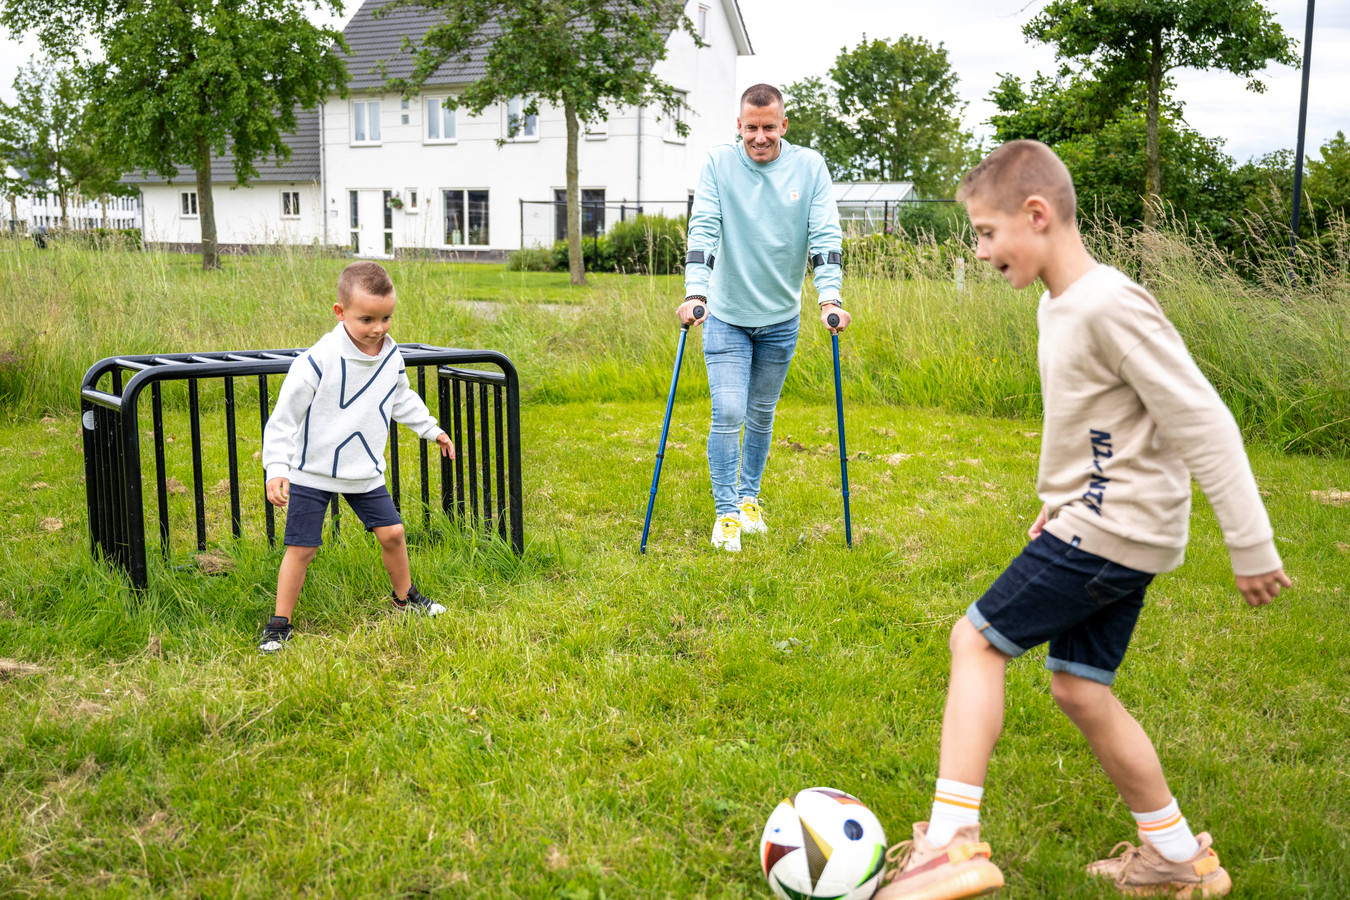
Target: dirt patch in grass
<point>14,668</point>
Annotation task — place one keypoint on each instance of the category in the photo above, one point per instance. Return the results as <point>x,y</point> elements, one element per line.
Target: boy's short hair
<point>368,277</point>
<point>1015,171</point>
<point>762,95</point>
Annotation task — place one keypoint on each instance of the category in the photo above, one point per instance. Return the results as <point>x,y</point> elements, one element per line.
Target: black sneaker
<point>276,633</point>
<point>417,603</point>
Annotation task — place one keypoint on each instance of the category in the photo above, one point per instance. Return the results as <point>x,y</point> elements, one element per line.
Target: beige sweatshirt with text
<point>1129,418</point>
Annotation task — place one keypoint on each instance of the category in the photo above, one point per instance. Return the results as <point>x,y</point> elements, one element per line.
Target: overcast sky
<point>795,39</point>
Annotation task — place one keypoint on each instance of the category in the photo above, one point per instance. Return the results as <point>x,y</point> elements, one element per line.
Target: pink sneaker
<point>923,872</point>
<point>1144,872</point>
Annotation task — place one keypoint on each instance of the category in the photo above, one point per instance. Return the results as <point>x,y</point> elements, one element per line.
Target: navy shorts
<point>306,508</point>
<point>1084,605</point>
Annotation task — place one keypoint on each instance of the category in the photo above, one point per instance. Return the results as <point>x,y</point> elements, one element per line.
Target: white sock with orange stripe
<point>1168,830</point>
<point>954,804</point>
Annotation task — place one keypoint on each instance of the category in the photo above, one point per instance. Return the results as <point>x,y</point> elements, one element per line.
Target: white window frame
<point>465,220</point>
<point>701,22</point>
<point>671,135</point>
<point>366,112</point>
<point>294,202</point>
<point>405,111</point>
<point>187,200</point>
<point>441,111</point>
<point>597,131</point>
<point>519,104</point>
<point>410,205</point>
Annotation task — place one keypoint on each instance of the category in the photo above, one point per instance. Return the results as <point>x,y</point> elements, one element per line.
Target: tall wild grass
<point>932,325</point>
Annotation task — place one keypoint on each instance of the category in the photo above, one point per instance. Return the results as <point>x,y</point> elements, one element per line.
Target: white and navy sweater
<point>331,420</point>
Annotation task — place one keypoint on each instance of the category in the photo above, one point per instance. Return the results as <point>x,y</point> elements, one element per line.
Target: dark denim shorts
<point>305,511</point>
<point>1084,605</point>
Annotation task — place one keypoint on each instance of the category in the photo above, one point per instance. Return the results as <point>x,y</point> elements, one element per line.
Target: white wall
<point>251,215</point>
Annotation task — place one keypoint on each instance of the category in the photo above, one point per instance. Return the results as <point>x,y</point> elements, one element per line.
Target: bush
<point>530,259</point>
<point>932,222</point>
<point>649,245</point>
<point>597,252</point>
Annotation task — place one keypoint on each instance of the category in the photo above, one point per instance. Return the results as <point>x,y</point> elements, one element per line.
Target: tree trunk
<point>1153,155</point>
<point>206,207</point>
<point>103,203</point>
<point>575,264</point>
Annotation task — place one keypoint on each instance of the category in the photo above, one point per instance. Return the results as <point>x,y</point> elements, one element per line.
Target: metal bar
<point>263,413</point>
<point>485,433</point>
<point>198,497</point>
<point>422,452</point>
<point>472,453</point>
<point>447,474</point>
<point>131,491</point>
<point>501,462</point>
<point>395,489</point>
<point>161,485</point>
<point>459,456</point>
<point>230,437</point>
<point>88,434</point>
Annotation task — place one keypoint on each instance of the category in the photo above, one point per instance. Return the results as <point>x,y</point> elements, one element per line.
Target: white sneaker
<point>752,516</point>
<point>726,534</point>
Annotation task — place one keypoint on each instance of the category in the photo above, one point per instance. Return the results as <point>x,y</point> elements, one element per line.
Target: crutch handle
<point>698,312</point>
<point>833,320</point>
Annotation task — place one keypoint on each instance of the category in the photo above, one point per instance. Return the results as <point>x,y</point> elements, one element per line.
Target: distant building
<point>25,212</point>
<point>383,176</point>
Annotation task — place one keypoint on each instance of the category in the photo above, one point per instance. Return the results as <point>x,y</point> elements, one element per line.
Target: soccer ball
<point>823,843</point>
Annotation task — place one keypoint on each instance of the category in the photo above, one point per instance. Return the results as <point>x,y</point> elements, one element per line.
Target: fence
<point>543,222</point>
<point>487,443</point>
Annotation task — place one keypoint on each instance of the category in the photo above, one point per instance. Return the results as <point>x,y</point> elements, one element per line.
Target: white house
<point>24,213</point>
<point>381,175</point>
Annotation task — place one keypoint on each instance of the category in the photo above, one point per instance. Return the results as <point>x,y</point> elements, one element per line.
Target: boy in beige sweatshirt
<point>1129,418</point>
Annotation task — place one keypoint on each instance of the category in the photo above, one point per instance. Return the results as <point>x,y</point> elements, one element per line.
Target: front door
<point>370,216</point>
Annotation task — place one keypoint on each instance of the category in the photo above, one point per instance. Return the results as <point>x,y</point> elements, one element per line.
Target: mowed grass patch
<point>590,722</point>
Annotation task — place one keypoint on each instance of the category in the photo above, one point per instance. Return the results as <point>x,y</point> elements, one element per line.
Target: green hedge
<point>645,245</point>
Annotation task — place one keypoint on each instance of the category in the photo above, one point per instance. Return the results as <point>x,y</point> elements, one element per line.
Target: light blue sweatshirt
<point>758,223</point>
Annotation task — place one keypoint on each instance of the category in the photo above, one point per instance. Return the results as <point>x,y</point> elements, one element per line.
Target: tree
<point>813,121</point>
<point>179,82</point>
<point>1124,42</point>
<point>1328,181</point>
<point>582,55</point>
<point>904,116</point>
<point>38,132</point>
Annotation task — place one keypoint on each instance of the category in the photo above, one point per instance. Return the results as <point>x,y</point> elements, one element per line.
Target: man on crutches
<point>762,207</point>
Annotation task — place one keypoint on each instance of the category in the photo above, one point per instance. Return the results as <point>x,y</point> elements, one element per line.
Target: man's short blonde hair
<point>368,277</point>
<point>1016,171</point>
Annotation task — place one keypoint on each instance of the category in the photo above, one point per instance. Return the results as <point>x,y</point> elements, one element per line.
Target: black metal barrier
<point>486,436</point>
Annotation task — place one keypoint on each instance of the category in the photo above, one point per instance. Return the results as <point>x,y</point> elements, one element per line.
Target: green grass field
<point>588,722</point>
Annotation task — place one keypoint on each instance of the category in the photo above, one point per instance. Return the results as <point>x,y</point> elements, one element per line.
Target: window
<point>519,125</point>
<point>290,204</point>
<point>188,203</point>
<point>592,213</point>
<point>702,22</point>
<point>673,122</point>
<point>411,204</point>
<point>440,120</point>
<point>388,224</point>
<point>403,117</point>
<point>366,122</point>
<point>466,218</point>
<point>355,223</point>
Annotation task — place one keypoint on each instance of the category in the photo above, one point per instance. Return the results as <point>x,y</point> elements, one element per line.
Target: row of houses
<point>24,213</point>
<point>382,175</point>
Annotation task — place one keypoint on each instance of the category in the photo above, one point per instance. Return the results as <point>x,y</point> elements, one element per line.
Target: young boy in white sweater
<point>1128,419</point>
<point>327,434</point>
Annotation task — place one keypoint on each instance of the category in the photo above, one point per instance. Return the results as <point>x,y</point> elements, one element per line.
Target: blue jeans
<point>746,371</point>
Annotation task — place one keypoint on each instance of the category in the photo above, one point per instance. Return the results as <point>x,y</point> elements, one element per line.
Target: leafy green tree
<point>1125,42</point>
<point>903,113</point>
<point>39,131</point>
<point>1051,110</point>
<point>178,82</point>
<point>585,56</point>
<point>813,121</point>
<point>1328,180</point>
